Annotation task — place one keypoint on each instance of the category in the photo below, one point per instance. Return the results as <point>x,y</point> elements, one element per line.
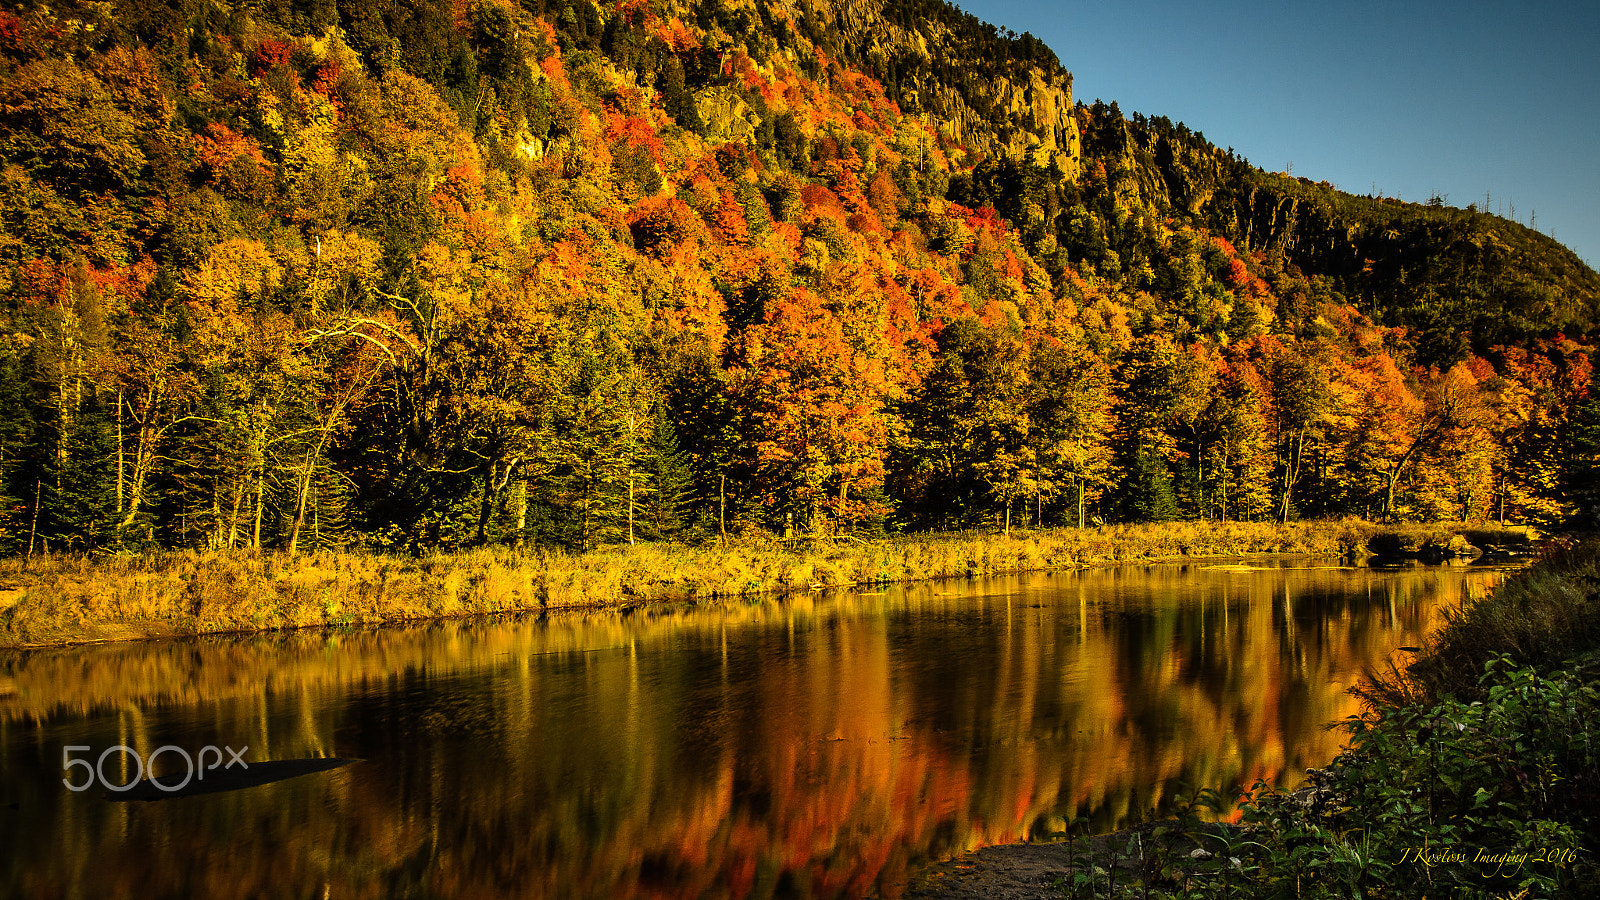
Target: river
<point>820,745</point>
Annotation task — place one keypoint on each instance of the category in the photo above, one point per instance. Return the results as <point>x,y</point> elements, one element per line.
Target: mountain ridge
<point>416,273</point>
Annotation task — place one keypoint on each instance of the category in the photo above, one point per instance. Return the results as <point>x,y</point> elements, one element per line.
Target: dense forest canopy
<point>425,273</point>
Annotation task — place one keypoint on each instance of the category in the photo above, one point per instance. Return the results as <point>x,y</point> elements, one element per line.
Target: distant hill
<point>1463,279</point>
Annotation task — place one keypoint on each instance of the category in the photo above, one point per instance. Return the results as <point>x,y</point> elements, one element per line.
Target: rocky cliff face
<point>1039,124</point>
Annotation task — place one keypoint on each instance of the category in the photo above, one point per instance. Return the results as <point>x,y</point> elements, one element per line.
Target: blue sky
<point>1408,99</point>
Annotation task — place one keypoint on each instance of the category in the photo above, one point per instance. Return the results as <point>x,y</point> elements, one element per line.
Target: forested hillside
<point>427,273</point>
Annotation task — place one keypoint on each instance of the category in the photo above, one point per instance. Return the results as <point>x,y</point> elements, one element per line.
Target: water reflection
<point>818,746</point>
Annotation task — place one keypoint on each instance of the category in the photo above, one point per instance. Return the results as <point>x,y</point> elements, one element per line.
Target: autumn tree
<point>1547,381</point>
<point>1241,453</point>
<point>814,412</point>
<point>1581,475</point>
<point>1300,398</point>
<point>966,451</point>
<point>1071,417</point>
<point>1161,388</point>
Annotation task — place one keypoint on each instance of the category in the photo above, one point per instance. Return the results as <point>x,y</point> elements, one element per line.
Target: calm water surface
<point>820,746</point>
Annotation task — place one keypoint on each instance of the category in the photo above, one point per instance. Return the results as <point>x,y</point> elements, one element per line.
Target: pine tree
<point>78,500</point>
<point>17,478</point>
<point>590,474</point>
<point>668,479</point>
<point>677,99</point>
<point>1147,494</point>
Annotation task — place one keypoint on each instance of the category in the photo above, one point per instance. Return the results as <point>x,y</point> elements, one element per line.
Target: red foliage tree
<point>270,54</point>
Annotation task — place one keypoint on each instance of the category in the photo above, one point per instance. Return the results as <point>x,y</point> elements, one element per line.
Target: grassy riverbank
<point>61,599</point>
<point>1476,773</point>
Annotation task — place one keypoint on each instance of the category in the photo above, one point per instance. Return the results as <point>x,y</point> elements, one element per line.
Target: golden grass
<point>60,599</point>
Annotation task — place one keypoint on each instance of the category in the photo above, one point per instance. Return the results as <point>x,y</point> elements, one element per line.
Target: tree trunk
<point>521,498</point>
<point>1291,473</point>
<point>233,513</point>
<point>261,478</point>
<point>33,527</point>
<point>302,490</point>
<point>1394,479</point>
<point>1299,456</point>
<point>493,488</point>
<point>1222,482</point>
<point>485,505</point>
<point>1502,498</point>
<point>142,457</point>
<point>120,443</point>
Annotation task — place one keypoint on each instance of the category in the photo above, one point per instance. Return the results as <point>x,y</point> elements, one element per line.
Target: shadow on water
<point>249,775</point>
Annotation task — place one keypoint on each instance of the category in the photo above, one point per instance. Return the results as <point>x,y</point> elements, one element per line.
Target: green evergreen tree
<point>77,507</point>
<point>1147,495</point>
<point>668,479</point>
<point>599,420</point>
<point>589,471</point>
<point>677,99</point>
<point>16,476</point>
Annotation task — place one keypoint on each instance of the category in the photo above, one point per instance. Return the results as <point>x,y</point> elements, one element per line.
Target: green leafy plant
<point>1449,800</point>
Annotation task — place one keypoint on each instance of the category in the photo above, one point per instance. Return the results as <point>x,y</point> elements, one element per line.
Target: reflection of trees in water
<point>813,747</point>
